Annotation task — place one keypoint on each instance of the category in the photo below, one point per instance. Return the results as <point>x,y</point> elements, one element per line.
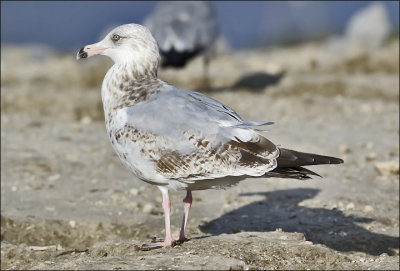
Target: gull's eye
<point>115,37</point>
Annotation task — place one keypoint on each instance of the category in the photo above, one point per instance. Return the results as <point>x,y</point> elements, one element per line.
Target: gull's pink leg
<point>167,209</point>
<point>168,238</point>
<point>187,202</point>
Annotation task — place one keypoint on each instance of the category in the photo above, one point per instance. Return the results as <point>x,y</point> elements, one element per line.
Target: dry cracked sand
<point>68,203</point>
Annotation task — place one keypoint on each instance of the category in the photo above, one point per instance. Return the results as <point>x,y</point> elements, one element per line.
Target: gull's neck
<point>133,72</point>
<point>126,85</point>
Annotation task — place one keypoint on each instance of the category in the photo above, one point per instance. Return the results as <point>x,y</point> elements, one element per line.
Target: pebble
<point>368,209</point>
<point>370,156</point>
<point>94,181</point>
<point>134,191</point>
<point>72,223</point>
<point>54,177</point>
<point>350,206</point>
<point>343,149</point>
<point>147,208</point>
<point>387,168</point>
<point>85,120</point>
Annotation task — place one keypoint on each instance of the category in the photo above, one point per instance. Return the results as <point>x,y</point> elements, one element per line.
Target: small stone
<point>387,168</point>
<point>54,178</point>
<point>368,209</point>
<point>308,243</point>
<point>147,208</point>
<point>343,149</point>
<point>134,191</point>
<point>94,181</point>
<point>72,223</point>
<point>85,120</point>
<point>350,206</point>
<point>370,156</point>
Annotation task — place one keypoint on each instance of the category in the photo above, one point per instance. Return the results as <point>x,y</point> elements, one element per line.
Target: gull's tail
<point>289,164</point>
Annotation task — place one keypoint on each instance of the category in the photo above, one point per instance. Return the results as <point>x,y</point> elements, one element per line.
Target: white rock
<point>54,177</point>
<point>134,191</point>
<point>343,149</point>
<point>147,208</point>
<point>387,168</point>
<point>368,209</point>
<point>370,156</point>
<point>72,223</point>
<point>85,120</point>
<point>350,206</point>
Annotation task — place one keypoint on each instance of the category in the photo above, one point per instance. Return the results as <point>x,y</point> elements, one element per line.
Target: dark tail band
<point>290,158</point>
<point>289,164</point>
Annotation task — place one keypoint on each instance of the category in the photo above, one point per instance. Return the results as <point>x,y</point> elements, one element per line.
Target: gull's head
<point>126,44</point>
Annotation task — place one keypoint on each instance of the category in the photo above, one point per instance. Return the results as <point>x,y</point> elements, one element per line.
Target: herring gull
<point>179,139</point>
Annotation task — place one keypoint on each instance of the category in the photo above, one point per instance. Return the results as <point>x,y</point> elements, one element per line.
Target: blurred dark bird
<point>183,29</point>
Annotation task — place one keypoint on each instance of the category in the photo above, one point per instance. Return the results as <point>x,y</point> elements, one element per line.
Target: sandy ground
<point>68,203</point>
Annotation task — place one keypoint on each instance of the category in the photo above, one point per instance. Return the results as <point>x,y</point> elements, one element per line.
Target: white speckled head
<point>126,44</point>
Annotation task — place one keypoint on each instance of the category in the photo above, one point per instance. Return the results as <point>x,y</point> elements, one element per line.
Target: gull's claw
<point>176,239</point>
<point>158,242</point>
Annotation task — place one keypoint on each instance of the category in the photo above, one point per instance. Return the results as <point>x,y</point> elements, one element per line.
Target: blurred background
<point>327,74</point>
<point>69,24</point>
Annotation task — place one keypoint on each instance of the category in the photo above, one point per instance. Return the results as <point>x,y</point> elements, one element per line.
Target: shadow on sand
<point>258,81</point>
<point>280,209</point>
<point>254,82</point>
